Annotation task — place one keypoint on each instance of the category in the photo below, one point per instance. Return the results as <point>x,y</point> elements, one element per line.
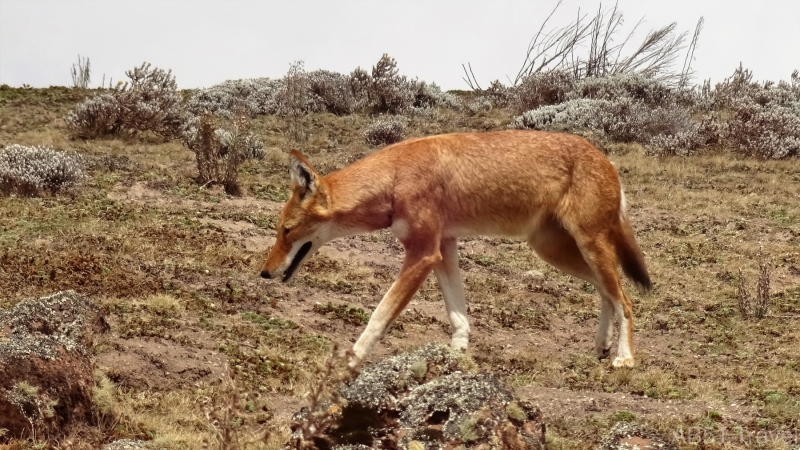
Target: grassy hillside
<point>175,265</point>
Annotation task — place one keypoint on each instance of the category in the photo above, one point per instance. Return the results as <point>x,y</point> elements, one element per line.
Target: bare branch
<point>562,41</point>
<point>556,49</point>
<point>470,79</point>
<point>532,45</point>
<point>655,54</point>
<point>81,73</point>
<point>687,73</point>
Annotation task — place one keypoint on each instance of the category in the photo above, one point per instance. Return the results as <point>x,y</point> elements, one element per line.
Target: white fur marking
<point>375,328</point>
<point>452,287</point>
<point>605,329</point>
<point>399,229</point>
<point>624,357</point>
<point>453,294</point>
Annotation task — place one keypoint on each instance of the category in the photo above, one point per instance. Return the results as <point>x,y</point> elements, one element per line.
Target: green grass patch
<point>347,313</point>
<point>269,323</point>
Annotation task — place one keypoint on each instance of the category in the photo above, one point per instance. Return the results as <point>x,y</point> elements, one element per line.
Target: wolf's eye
<point>286,230</point>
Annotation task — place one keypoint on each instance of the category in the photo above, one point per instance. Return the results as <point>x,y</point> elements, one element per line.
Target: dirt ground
<point>175,265</point>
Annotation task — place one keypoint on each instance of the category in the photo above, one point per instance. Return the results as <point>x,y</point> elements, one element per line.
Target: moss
<point>467,431</point>
<point>516,412</point>
<point>26,390</point>
<point>623,416</point>
<point>418,369</point>
<point>269,323</point>
<point>347,313</point>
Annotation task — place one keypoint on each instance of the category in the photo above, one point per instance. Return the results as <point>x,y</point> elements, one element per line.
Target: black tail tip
<point>637,272</point>
<point>642,280</point>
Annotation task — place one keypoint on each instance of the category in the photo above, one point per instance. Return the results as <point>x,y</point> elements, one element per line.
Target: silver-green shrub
<point>149,101</point>
<point>535,90</point>
<point>620,108</point>
<point>257,95</point>
<point>430,95</point>
<point>33,170</point>
<point>301,92</point>
<point>707,132</point>
<point>385,130</point>
<point>770,131</point>
<point>221,146</point>
<point>336,92</point>
<point>650,91</point>
<point>96,116</point>
<point>763,119</point>
<point>389,92</point>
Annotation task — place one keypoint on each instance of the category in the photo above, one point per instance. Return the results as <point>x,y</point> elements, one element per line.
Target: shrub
<point>360,82</point>
<point>479,103</point>
<point>148,102</point>
<point>538,89</point>
<point>385,130</point>
<point>97,116</point>
<point>431,96</point>
<point>755,119</point>
<point>219,151</point>
<point>650,91</point>
<point>388,92</point>
<point>705,133</point>
<point>770,131</point>
<point>763,119</point>
<point>31,170</point>
<point>336,92</point>
<point>294,101</point>
<point>300,92</point>
<point>567,116</point>
<point>620,120</point>
<point>621,108</point>
<point>392,93</point>
<point>257,96</point>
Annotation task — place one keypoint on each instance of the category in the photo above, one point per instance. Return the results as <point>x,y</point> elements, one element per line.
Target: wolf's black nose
<point>265,274</point>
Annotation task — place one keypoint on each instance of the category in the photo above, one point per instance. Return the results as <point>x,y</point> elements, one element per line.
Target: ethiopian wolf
<point>557,191</point>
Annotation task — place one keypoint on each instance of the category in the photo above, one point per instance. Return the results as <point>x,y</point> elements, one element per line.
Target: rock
<point>626,435</point>
<point>379,383</point>
<point>534,275</point>
<point>46,375</point>
<point>660,322</point>
<point>427,399</point>
<point>126,444</point>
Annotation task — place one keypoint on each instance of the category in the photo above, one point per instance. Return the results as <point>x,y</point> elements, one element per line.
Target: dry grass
<point>176,263</point>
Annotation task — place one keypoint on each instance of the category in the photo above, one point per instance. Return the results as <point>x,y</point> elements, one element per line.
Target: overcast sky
<point>207,42</point>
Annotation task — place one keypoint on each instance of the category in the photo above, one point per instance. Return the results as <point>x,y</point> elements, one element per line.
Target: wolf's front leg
<point>416,267</point>
<point>449,276</point>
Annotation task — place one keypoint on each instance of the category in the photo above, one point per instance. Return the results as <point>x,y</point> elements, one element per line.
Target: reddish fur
<point>555,190</point>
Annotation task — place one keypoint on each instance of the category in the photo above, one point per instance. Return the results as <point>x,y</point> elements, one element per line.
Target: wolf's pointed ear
<point>303,175</point>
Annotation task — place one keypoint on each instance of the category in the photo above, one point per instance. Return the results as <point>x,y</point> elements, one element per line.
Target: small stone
<point>415,445</point>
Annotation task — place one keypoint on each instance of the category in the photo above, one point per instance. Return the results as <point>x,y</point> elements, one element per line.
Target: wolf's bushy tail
<point>630,256</point>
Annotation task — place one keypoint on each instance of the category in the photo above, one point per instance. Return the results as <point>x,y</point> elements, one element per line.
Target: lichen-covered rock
<point>428,399</point>
<point>379,383</point>
<point>628,436</point>
<point>46,375</point>
<point>126,444</point>
<point>450,400</point>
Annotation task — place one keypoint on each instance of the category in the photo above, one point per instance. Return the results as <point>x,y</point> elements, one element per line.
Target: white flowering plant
<point>32,170</point>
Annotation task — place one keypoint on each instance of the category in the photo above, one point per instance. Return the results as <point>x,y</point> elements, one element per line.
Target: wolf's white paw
<point>622,362</point>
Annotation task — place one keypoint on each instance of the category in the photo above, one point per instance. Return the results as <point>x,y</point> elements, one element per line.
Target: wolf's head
<point>305,222</point>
